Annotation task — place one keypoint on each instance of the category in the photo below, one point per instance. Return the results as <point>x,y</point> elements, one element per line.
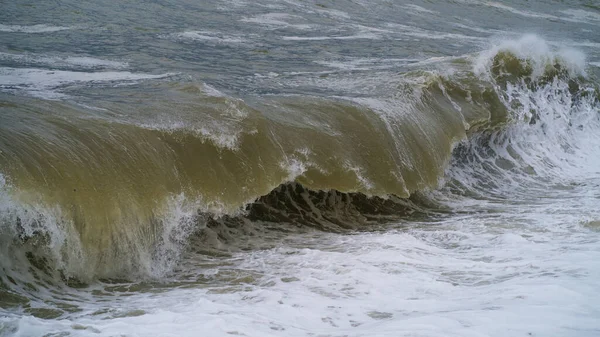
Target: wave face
<point>119,190</point>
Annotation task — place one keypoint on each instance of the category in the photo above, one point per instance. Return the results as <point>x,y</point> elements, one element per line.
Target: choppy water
<point>291,168</point>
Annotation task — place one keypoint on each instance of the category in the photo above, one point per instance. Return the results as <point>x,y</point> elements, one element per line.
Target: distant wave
<point>41,28</point>
<point>85,62</point>
<point>44,83</point>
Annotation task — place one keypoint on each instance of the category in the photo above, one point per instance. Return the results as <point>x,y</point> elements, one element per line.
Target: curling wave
<point>117,190</point>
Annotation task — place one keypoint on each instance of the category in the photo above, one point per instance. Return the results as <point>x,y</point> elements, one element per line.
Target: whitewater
<point>289,168</point>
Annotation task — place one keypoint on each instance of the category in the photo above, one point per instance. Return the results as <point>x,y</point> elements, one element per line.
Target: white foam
<point>528,14</point>
<point>585,44</point>
<point>223,135</point>
<point>41,28</point>
<point>45,83</point>
<point>419,9</point>
<point>277,20</point>
<point>573,15</point>
<point>368,36</point>
<point>537,51</point>
<point>30,219</point>
<point>580,15</point>
<point>552,134</point>
<point>466,276</point>
<point>366,63</point>
<point>294,167</point>
<point>209,36</point>
<point>335,13</point>
<point>177,222</point>
<point>212,91</point>
<point>224,132</point>
<point>63,61</point>
<point>472,26</point>
<point>429,34</point>
<point>365,183</point>
<point>305,152</point>
<point>358,32</point>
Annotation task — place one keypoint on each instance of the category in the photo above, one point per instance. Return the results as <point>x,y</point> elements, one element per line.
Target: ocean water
<point>294,168</point>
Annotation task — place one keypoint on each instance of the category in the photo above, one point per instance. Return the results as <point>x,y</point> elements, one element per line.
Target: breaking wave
<point>120,190</point>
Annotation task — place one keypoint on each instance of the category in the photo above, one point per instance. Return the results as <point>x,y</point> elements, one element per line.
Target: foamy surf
<point>47,83</point>
<point>84,62</point>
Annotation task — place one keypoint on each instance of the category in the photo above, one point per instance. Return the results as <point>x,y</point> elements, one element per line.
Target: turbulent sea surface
<point>300,168</point>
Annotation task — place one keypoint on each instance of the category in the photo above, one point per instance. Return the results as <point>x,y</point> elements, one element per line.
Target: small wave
<point>532,52</point>
<point>63,61</point>
<point>45,83</point>
<point>34,29</point>
<point>278,20</point>
<point>366,63</point>
<point>368,36</point>
<point>416,8</point>
<point>334,13</point>
<point>573,15</point>
<point>350,32</point>
<point>579,15</point>
<point>585,44</point>
<point>225,132</point>
<point>405,30</point>
<point>487,31</point>
<point>209,36</point>
<point>524,13</point>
